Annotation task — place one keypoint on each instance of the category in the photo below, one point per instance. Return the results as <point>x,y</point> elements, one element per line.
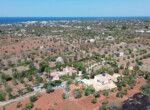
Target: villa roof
<point>105,77</point>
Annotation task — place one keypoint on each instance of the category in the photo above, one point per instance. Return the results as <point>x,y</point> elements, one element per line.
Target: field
<point>31,52</point>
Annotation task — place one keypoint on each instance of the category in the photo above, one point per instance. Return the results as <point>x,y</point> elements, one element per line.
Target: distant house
<point>88,27</point>
<point>60,59</point>
<point>131,68</point>
<point>110,38</point>
<point>140,31</point>
<point>90,40</point>
<point>66,71</point>
<point>118,54</point>
<point>148,32</point>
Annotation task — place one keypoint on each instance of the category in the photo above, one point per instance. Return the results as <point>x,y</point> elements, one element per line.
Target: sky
<point>74,8</point>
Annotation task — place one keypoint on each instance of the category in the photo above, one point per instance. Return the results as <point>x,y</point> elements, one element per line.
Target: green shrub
<point>89,90</point>
<point>19,105</point>
<point>77,94</point>
<point>69,81</point>
<point>7,78</point>
<point>28,106</point>
<point>94,100</point>
<point>64,95</point>
<point>39,79</point>
<point>103,107</point>
<point>23,64</point>
<point>2,95</point>
<point>106,93</point>
<point>96,94</point>
<point>49,90</point>
<point>121,67</point>
<point>145,88</point>
<point>119,94</point>
<point>33,98</point>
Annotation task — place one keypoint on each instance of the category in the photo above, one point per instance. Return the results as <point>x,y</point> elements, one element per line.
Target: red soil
<point>55,101</point>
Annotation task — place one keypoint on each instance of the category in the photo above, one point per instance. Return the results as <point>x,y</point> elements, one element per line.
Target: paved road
<point>62,86</point>
<point>21,98</point>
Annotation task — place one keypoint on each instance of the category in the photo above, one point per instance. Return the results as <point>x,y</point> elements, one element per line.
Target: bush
<point>39,79</point>
<point>57,82</point>
<point>38,109</point>
<point>19,105</point>
<point>116,70</point>
<point>103,107</point>
<point>145,88</point>
<point>104,102</point>
<point>69,81</point>
<point>106,93</point>
<point>33,98</point>
<point>7,78</point>
<point>121,67</point>
<point>77,94</point>
<point>94,100</point>
<point>49,90</point>
<point>96,94</point>
<point>2,95</point>
<point>28,106</point>
<point>119,94</point>
<point>64,95</point>
<point>89,90</point>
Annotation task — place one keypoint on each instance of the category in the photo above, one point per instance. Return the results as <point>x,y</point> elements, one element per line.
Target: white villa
<point>102,81</point>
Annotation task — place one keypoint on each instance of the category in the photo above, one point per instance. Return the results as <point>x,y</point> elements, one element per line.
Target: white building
<point>60,59</point>
<point>87,82</point>
<point>110,38</point>
<point>140,31</point>
<point>104,79</point>
<point>119,54</point>
<point>90,40</point>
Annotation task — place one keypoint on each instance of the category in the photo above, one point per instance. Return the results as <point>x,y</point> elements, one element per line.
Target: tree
<point>119,94</point>
<point>47,69</point>
<point>49,89</point>
<point>77,94</point>
<point>28,106</point>
<point>64,95</point>
<point>58,65</point>
<point>106,93</point>
<point>94,100</point>
<point>39,79</point>
<point>2,95</point>
<point>96,94</point>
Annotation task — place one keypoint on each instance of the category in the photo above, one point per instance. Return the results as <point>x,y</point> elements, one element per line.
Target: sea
<point>10,20</point>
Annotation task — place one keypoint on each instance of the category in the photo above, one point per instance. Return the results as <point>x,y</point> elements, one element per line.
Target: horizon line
<point>70,16</point>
